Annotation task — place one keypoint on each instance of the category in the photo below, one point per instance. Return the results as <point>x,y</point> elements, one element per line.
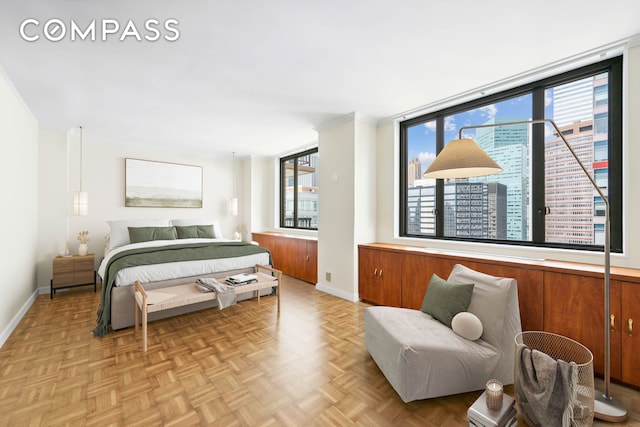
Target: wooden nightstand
<point>74,270</point>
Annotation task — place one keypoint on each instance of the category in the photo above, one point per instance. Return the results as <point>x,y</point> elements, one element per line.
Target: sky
<point>422,137</point>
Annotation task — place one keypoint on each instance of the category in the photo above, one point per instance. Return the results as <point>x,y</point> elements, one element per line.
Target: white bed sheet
<point>174,270</point>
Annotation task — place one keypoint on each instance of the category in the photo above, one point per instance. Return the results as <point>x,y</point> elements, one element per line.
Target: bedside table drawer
<point>75,270</point>
<point>83,277</point>
<point>84,263</point>
<point>63,266</point>
<point>62,278</point>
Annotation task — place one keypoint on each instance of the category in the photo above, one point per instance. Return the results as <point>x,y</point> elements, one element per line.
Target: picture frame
<point>156,184</point>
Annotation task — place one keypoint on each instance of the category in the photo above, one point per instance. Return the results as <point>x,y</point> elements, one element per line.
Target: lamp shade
<point>80,203</point>
<point>462,158</point>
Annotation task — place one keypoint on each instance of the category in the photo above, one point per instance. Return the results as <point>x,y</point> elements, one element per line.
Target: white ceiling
<point>256,76</point>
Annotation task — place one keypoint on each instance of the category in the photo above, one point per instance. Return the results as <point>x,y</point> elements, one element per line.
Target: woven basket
<point>563,348</point>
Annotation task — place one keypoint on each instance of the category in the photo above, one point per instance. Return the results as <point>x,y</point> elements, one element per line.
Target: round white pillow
<point>467,325</point>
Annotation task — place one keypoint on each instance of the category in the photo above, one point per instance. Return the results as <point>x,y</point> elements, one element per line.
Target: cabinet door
<point>379,276</point>
<point>390,277</point>
<point>630,333</point>
<point>574,307</point>
<point>269,243</point>
<point>293,256</point>
<point>297,257</point>
<point>289,252</point>
<point>416,274</point>
<point>367,275</point>
<point>309,272</point>
<point>300,258</point>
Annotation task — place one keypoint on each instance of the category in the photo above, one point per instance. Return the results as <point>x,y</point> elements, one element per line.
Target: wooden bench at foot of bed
<point>181,295</point>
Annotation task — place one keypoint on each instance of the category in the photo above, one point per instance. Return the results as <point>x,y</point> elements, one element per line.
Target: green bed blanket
<point>160,255</point>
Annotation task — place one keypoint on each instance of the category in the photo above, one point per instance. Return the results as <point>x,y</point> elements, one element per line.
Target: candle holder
<point>494,394</point>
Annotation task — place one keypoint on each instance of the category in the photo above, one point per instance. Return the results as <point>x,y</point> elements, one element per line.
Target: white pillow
<point>467,325</point>
<point>119,230</point>
<point>217,233</point>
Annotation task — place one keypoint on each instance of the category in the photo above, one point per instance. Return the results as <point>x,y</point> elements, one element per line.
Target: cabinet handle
<point>307,257</point>
<point>375,272</point>
<point>630,329</point>
<point>380,273</point>
<point>612,323</point>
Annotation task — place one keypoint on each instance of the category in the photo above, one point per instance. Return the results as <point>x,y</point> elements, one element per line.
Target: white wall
<point>262,178</point>
<point>364,190</point>
<point>19,212</point>
<point>104,180</point>
<point>631,153</point>
<point>346,202</point>
<point>387,179</point>
<point>53,200</point>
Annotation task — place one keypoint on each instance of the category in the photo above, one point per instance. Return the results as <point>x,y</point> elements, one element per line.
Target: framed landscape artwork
<point>162,185</point>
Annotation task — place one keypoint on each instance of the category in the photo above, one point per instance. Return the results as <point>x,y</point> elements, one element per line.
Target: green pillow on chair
<point>443,299</point>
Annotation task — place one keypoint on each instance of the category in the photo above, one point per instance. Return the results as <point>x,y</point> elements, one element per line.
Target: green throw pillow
<point>146,234</point>
<point>444,300</point>
<point>195,231</point>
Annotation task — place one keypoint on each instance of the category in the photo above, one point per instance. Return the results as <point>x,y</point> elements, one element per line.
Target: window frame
<point>283,191</point>
<point>537,88</point>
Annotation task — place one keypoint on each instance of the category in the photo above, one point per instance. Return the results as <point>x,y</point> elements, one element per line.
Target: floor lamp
<point>463,158</point>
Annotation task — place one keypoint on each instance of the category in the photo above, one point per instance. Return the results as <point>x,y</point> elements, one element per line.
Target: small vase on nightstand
<point>83,248</point>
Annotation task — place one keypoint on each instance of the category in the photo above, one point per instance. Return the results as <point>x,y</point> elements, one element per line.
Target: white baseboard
<point>4,336</point>
<point>338,293</point>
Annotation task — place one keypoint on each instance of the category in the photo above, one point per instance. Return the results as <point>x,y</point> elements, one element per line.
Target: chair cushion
<point>422,358</point>
<point>488,301</point>
<point>443,299</point>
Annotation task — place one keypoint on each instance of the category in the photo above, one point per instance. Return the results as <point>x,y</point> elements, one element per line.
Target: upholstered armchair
<point>422,357</point>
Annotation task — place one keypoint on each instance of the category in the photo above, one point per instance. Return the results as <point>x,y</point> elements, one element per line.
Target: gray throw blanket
<point>545,388</point>
<point>225,294</point>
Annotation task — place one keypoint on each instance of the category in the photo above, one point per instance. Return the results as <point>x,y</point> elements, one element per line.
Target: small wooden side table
<point>71,271</point>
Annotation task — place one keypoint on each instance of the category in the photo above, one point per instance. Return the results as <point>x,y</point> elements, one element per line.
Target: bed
<point>162,253</point>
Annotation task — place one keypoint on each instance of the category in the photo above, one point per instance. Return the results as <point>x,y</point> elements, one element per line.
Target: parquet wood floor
<point>242,366</point>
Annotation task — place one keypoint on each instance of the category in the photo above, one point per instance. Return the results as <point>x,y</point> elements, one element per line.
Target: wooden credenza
<point>295,256</point>
<point>561,297</point>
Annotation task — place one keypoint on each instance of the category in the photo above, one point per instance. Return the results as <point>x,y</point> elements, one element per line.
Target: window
<point>598,206</point>
<point>601,177</point>
<point>601,122</point>
<point>299,190</point>
<point>542,197</point>
<point>600,95</point>
<point>600,151</point>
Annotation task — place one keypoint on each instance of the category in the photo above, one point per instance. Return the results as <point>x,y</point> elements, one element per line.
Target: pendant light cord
<point>81,159</point>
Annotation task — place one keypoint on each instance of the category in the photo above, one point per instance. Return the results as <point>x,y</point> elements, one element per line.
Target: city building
<point>509,146</point>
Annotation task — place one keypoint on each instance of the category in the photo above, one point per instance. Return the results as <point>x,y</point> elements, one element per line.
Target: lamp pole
<point>606,408</point>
